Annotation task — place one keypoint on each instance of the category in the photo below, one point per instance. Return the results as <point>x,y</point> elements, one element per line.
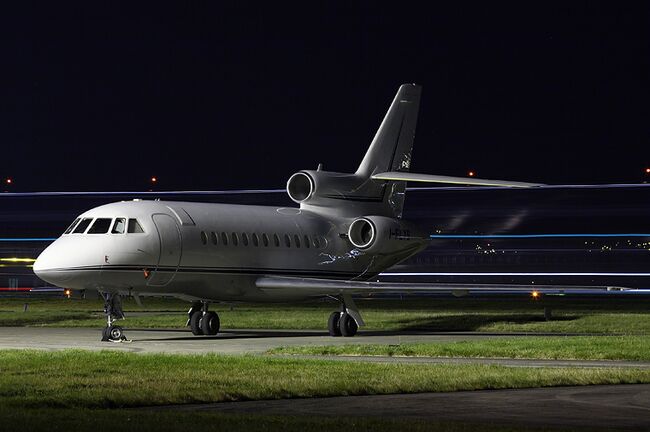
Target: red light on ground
<point>471,173</point>
<point>154,179</point>
<point>9,181</point>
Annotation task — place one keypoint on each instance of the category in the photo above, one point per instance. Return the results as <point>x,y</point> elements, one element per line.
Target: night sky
<point>220,95</point>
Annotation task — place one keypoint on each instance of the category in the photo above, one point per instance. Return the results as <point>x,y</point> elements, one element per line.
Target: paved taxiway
<point>183,342</point>
<point>620,407</point>
<point>259,341</point>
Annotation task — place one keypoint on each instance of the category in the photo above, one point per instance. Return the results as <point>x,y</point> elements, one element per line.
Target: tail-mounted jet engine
<point>350,194</point>
<point>380,234</point>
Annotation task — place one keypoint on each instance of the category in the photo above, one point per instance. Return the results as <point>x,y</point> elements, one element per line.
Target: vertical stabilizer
<point>359,194</point>
<point>390,149</point>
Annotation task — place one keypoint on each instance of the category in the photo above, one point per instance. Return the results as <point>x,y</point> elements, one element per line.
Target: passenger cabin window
<point>134,227</point>
<point>256,239</point>
<point>235,239</point>
<point>316,242</point>
<point>276,240</point>
<point>244,238</point>
<point>67,231</point>
<point>287,240</point>
<point>296,240</point>
<point>213,237</point>
<point>100,226</point>
<point>224,239</point>
<point>204,238</point>
<point>81,228</point>
<point>119,226</point>
<point>265,240</point>
<point>306,241</point>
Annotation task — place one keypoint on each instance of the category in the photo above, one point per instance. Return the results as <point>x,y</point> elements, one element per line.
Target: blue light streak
<point>508,274</point>
<point>515,236</point>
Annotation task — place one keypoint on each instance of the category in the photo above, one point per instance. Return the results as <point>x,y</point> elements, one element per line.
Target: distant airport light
<point>471,173</point>
<point>647,170</point>
<point>67,293</point>
<point>9,181</point>
<point>154,179</point>
<point>535,295</point>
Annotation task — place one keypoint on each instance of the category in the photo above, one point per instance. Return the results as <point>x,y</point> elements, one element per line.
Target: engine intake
<point>300,187</point>
<point>362,233</point>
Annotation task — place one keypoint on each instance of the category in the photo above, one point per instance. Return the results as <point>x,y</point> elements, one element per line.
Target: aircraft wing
<point>427,178</point>
<point>340,287</point>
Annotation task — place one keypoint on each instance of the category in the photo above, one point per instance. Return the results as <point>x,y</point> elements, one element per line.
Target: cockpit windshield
<point>100,226</point>
<point>81,228</point>
<point>118,225</point>
<point>71,226</point>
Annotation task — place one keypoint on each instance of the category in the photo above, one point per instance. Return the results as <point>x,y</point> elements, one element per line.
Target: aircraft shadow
<point>473,322</point>
<point>440,326</point>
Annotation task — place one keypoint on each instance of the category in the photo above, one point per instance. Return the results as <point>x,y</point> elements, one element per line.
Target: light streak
<point>515,236</point>
<point>509,274</point>
<point>18,260</point>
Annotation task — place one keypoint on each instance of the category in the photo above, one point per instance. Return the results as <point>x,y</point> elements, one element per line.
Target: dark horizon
<point>230,96</point>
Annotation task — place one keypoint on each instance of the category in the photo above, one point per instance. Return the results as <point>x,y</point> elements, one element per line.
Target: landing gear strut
<point>113,311</point>
<point>347,320</point>
<point>202,321</point>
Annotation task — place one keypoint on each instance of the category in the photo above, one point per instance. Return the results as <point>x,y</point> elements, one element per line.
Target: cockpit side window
<point>81,227</point>
<point>119,226</point>
<point>100,226</point>
<point>134,227</point>
<point>71,226</point>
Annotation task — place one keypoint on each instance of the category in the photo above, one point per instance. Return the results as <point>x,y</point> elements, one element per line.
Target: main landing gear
<point>202,321</point>
<point>113,311</point>
<point>347,320</point>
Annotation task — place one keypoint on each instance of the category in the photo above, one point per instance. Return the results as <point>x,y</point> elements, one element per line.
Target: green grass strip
<point>537,347</point>
<point>81,379</point>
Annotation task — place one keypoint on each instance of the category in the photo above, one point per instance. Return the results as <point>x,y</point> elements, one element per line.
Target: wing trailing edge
<point>427,178</point>
<point>339,287</point>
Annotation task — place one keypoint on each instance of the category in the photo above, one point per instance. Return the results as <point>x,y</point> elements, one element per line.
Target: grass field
<point>71,390</point>
<point>634,348</point>
<point>84,380</point>
<point>570,315</point>
<point>79,390</point>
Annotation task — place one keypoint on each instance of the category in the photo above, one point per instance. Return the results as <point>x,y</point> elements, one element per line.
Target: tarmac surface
<point>620,407</point>
<point>259,341</point>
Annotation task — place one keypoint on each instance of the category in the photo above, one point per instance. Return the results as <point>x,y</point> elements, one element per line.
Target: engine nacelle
<point>383,234</point>
<point>362,233</point>
<point>300,187</point>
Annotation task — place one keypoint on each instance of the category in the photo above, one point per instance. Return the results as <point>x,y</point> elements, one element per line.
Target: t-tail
<point>379,184</point>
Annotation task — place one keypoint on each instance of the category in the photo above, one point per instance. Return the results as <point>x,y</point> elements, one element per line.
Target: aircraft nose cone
<point>45,267</point>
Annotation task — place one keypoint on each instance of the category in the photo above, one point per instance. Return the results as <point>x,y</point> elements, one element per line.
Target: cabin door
<point>170,250</point>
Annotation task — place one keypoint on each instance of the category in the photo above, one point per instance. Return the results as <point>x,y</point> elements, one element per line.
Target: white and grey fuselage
<point>212,252</point>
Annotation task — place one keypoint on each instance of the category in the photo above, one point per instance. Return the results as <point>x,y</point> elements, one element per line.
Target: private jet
<point>346,229</point>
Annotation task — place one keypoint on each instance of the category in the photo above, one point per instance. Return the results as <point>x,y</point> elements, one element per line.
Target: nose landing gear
<point>347,320</point>
<point>201,321</point>
<point>113,311</point>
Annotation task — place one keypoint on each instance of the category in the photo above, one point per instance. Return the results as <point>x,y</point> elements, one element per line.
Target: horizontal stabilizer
<point>426,178</point>
<point>337,287</point>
